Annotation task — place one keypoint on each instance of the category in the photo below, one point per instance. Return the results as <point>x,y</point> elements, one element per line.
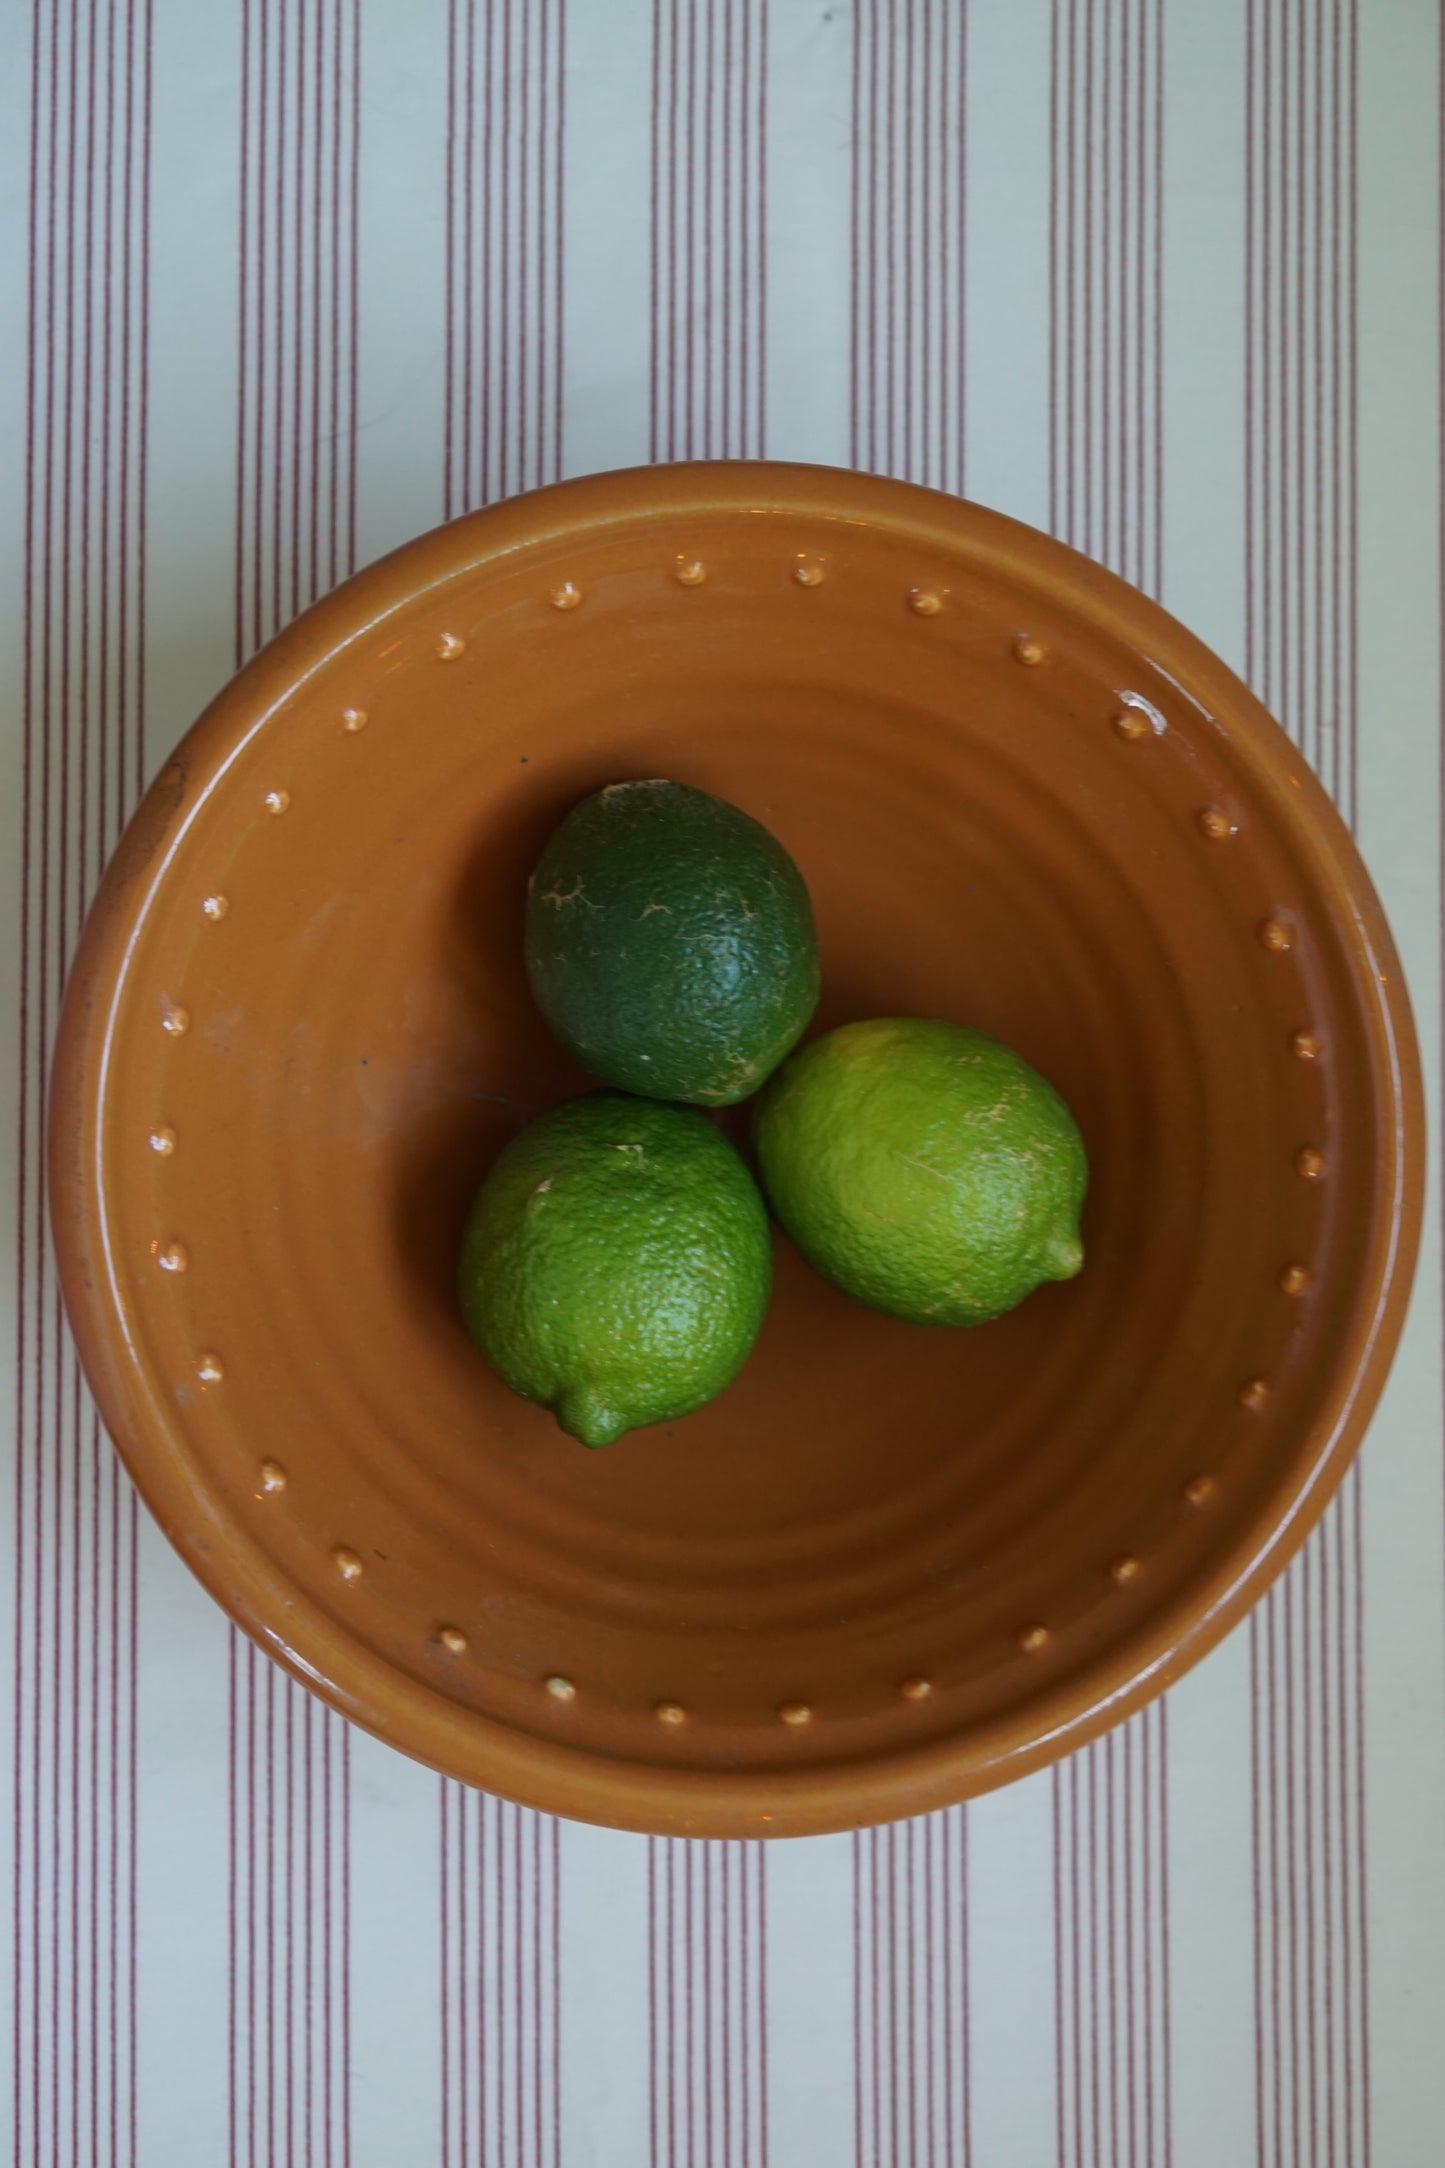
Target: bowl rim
<point>404,1711</point>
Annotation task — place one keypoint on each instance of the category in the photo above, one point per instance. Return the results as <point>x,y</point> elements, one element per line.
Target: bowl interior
<point>1010,813</point>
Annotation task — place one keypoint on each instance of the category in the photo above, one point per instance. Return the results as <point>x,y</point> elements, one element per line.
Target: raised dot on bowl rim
<point>794,1713</point>
<point>1027,650</point>
<point>277,800</point>
<point>690,572</point>
<point>1276,936</point>
<point>1131,724</point>
<point>1125,1569</point>
<point>1306,1045</point>
<point>1199,1490</point>
<point>1294,1279</point>
<point>210,1369</point>
<point>916,1689</point>
<point>1310,1163</point>
<point>559,1688</point>
<point>215,908</point>
<point>272,1478</point>
<point>1215,823</point>
<point>670,1712</point>
<point>1253,1393</point>
<point>566,596</point>
<point>353,719</point>
<point>453,1640</point>
<point>163,1140</point>
<point>1032,1638</point>
<point>809,572</point>
<point>449,646</point>
<point>925,601</point>
<point>347,1564</point>
<point>171,1256</point>
<point>175,1019</point>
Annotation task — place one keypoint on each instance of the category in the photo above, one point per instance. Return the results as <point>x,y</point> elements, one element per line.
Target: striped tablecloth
<point>285,281</point>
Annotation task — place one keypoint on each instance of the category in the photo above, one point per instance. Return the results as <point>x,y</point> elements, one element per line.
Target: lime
<point>617,1264</point>
<point>924,1168</point>
<point>670,943</point>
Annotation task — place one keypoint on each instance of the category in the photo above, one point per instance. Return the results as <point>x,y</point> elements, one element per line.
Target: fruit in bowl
<point>615,1265</point>
<point>1039,809</point>
<point>670,943</point>
<point>924,1168</point>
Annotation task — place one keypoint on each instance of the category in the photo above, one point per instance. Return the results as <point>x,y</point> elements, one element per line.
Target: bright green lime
<point>924,1168</point>
<point>617,1264</point>
<point>670,943</point>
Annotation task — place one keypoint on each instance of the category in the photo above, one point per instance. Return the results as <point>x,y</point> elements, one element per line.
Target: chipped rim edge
<point>234,1566</point>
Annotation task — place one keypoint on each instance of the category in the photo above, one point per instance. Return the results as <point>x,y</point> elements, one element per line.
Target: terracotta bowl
<point>891,1566</point>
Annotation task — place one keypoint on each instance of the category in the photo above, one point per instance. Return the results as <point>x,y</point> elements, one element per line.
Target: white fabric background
<point>286,281</point>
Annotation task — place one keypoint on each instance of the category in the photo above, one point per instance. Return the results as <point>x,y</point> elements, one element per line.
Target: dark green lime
<point>670,943</point>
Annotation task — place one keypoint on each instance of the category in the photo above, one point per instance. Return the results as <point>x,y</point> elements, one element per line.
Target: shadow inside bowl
<point>499,1066</point>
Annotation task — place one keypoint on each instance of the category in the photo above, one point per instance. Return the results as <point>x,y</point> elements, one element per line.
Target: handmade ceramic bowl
<point>892,1565</point>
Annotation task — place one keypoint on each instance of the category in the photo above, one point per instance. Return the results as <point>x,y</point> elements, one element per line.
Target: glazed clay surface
<point>890,1567</point>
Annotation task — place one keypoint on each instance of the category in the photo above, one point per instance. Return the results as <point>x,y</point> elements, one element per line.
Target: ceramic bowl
<point>891,1566</point>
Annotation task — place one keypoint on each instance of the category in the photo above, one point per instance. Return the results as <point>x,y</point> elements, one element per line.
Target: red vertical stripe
<point>289,1967</point>
<point>708,245</point>
<point>1311,1957</point>
<point>907,359</point>
<point>503,294</point>
<point>707,2005</point>
<point>1112,2020</point>
<point>906,416</point>
<point>500,1866</point>
<point>911,2071</point>
<point>1112,2024</point>
<point>707,1914</point>
<point>84,542</point>
<point>860,2028</point>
